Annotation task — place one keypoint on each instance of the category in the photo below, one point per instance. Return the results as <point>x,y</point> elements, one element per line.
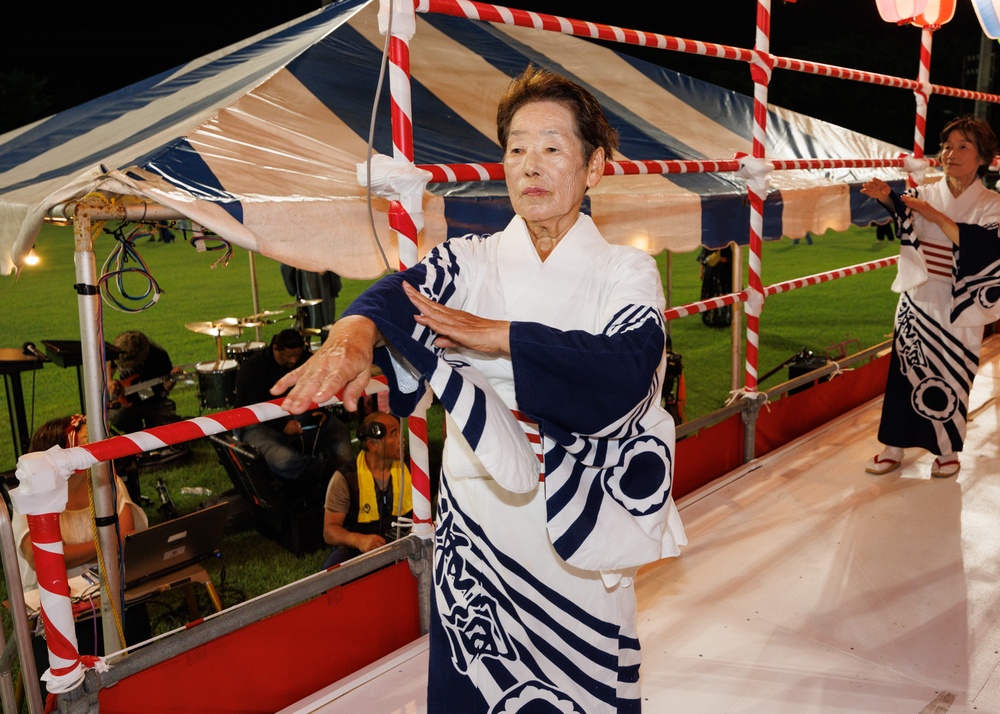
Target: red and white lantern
<point>900,11</point>
<point>936,14</point>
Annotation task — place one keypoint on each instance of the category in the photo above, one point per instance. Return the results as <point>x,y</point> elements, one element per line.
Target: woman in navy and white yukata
<point>545,345</point>
<point>949,280</point>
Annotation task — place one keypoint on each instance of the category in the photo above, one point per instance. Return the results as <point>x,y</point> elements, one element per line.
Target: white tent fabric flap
<point>260,142</point>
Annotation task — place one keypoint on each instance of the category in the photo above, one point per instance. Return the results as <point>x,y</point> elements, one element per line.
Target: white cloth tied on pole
<point>43,479</point>
<point>754,304</point>
<point>404,19</point>
<point>397,180</point>
<point>917,168</point>
<point>756,173</point>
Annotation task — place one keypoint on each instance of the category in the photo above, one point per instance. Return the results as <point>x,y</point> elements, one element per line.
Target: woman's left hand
<point>919,205</point>
<point>923,208</point>
<point>456,328</point>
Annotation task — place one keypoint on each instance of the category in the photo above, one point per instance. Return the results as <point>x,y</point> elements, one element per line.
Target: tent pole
<point>92,345</point>
<point>255,295</point>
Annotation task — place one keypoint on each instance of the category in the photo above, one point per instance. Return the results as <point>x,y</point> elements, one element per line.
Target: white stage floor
<point>809,586</point>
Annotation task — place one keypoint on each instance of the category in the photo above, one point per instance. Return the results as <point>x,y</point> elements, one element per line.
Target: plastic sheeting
<point>260,141</point>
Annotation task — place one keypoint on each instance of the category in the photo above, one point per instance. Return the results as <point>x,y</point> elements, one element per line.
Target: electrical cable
<point>102,564</point>
<point>116,268</point>
<point>200,242</point>
<point>371,139</point>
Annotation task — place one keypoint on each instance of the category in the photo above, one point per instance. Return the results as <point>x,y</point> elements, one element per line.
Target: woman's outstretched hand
<point>456,328</point>
<point>879,190</point>
<point>343,362</point>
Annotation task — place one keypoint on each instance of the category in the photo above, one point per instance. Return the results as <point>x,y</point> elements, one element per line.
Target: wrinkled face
<point>960,158</point>
<point>289,357</point>
<point>546,171</point>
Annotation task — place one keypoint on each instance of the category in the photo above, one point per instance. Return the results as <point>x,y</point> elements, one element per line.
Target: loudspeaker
<point>372,430</point>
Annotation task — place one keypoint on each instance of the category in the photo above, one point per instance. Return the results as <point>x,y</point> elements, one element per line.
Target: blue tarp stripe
<point>639,140</point>
<point>342,72</point>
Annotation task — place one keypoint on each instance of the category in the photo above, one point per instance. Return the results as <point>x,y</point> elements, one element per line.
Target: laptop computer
<point>172,545</point>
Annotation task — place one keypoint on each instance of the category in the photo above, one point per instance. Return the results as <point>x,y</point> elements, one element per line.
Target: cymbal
<point>264,314</point>
<point>304,303</point>
<point>247,322</point>
<point>218,328</point>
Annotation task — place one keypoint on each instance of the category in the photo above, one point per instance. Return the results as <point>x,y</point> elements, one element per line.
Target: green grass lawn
<point>857,310</point>
<point>41,304</point>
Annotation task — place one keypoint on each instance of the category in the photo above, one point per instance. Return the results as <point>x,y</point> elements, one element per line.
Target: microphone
<point>29,349</point>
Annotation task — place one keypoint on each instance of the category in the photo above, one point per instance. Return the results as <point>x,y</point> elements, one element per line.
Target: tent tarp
<point>260,142</point>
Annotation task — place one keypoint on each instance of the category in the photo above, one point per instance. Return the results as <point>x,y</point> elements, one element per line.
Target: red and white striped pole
<point>722,300</point>
<point>922,94</point>
<point>406,219</point>
<point>760,70</point>
<point>41,495</point>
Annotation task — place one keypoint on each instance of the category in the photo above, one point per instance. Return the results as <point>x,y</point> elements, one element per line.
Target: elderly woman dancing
<point>545,345</point>
<point>949,280</point>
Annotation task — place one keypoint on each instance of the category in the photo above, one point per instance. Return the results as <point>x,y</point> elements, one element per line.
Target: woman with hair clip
<point>362,500</point>
<point>948,279</point>
<point>76,524</point>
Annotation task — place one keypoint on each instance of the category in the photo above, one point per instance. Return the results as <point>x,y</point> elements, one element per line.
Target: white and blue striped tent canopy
<point>260,142</point>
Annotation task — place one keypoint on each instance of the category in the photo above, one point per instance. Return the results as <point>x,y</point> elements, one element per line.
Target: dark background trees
<point>51,62</point>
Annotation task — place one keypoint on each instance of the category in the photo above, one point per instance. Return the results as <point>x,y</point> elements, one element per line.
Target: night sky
<point>100,48</point>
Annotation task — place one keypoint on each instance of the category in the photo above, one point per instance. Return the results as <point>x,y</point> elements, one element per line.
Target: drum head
<point>217,366</point>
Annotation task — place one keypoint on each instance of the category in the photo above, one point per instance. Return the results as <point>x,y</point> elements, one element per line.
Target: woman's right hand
<point>342,363</point>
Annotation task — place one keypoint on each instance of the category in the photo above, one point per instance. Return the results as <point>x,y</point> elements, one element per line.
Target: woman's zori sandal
<point>945,466</point>
<point>889,460</point>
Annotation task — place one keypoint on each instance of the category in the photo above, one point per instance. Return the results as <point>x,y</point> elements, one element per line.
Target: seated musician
<point>363,497</point>
<point>305,449</point>
<point>144,364</point>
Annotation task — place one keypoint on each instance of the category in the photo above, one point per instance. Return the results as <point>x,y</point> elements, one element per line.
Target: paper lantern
<point>988,12</point>
<point>936,14</point>
<point>900,11</point>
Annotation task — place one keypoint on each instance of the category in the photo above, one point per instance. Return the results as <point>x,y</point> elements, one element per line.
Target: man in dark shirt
<point>307,447</point>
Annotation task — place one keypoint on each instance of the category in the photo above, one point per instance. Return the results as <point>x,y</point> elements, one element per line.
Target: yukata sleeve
<point>408,352</point>
<point>576,382</point>
<point>976,291</point>
<point>607,446</point>
<point>410,360</point>
<point>911,270</point>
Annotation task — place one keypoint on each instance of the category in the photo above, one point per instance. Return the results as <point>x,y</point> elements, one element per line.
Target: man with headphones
<point>367,496</point>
